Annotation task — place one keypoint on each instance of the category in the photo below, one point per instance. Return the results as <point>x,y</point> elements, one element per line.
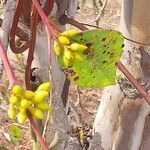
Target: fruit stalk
<point>37,132</point>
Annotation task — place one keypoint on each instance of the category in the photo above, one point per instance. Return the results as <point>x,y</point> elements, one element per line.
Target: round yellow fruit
<point>57,48</point>
<point>13,100</point>
<point>25,103</point>
<point>44,87</point>
<point>78,47</point>
<point>43,106</point>
<point>36,113</point>
<point>65,61</point>
<point>22,110</point>
<point>17,90</point>
<point>40,96</point>
<point>77,57</point>
<point>29,94</point>
<point>12,113</point>
<point>69,33</point>
<point>67,53</point>
<point>21,117</point>
<point>63,40</point>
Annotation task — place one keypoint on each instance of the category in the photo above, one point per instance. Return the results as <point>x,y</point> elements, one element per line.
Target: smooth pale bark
<point>5,29</point>
<point>141,21</point>
<point>57,125</point>
<point>121,126</point>
<point>57,122</point>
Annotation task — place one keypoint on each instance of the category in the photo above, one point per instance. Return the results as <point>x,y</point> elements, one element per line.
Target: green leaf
<point>15,134</point>
<point>97,68</point>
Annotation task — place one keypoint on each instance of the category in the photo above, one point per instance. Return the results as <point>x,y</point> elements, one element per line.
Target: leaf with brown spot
<point>98,66</point>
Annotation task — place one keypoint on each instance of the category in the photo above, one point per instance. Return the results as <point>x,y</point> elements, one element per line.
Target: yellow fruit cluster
<point>70,51</point>
<point>23,100</point>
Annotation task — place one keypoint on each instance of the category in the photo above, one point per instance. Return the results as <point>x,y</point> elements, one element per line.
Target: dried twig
<point>97,19</point>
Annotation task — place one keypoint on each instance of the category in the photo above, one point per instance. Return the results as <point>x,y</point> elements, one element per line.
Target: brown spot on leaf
<point>122,45</point>
<point>104,61</point>
<point>71,72</point>
<point>90,55</point>
<point>103,39</point>
<point>76,78</point>
<point>92,70</point>
<point>104,51</point>
<point>80,34</point>
<point>89,45</point>
<point>112,54</point>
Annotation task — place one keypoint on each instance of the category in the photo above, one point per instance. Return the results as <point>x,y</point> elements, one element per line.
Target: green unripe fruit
<point>25,103</point>
<point>57,48</point>
<point>43,106</point>
<point>67,53</point>
<point>63,40</point>
<point>17,90</point>
<point>29,94</point>
<point>40,96</point>
<point>36,113</point>
<point>78,47</point>
<point>12,113</point>
<point>13,100</point>
<point>44,87</point>
<point>21,117</point>
<point>69,33</point>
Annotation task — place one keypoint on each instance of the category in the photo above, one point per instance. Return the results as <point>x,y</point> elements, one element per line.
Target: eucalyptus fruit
<point>57,48</point>
<point>69,33</point>
<point>78,47</point>
<point>63,40</point>
<point>67,49</point>
<point>22,101</point>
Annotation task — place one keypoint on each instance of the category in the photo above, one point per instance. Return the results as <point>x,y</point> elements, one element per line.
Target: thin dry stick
<point>47,120</point>
<point>78,102</point>
<point>97,19</point>
<point>74,110</point>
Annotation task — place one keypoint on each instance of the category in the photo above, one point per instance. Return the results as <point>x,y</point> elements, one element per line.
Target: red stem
<point>9,71</point>
<point>37,132</point>
<point>33,27</point>
<point>48,24</point>
<point>133,81</point>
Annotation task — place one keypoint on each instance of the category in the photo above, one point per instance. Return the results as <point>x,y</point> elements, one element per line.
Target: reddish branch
<point>31,45</point>
<point>37,132</point>
<point>16,31</point>
<point>33,28</point>
<point>141,90</point>
<point>13,46</point>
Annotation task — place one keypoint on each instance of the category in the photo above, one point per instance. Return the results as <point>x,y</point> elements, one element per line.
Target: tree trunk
<point>120,121</point>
